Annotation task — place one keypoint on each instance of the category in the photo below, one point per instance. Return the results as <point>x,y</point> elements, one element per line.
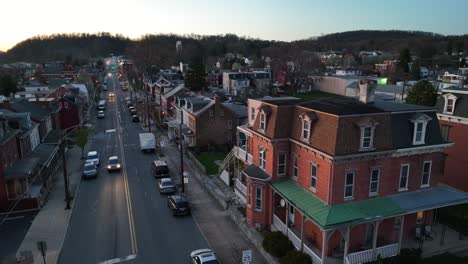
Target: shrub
<point>296,257</point>
<point>277,244</point>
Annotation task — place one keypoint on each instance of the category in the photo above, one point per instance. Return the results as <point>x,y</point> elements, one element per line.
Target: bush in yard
<point>296,257</point>
<point>277,244</point>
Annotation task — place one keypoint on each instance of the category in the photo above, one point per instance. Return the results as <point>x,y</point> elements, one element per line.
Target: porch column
<point>302,232</point>
<point>324,245</point>
<point>287,218</point>
<point>374,238</point>
<point>346,247</point>
<point>400,235</point>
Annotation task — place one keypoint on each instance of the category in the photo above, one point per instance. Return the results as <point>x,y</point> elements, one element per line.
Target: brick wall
<point>389,175</point>
<point>8,155</point>
<point>456,160</point>
<point>213,129</point>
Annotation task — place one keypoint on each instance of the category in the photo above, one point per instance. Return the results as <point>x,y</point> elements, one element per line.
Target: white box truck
<point>147,142</point>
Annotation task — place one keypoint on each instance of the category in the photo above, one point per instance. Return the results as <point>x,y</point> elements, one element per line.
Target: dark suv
<point>178,204</point>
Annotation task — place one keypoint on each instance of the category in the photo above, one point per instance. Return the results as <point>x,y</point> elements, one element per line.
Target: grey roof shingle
<point>38,112</point>
<point>255,172</point>
<point>238,109</point>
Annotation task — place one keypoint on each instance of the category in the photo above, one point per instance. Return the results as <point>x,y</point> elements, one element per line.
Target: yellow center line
<point>126,188</point>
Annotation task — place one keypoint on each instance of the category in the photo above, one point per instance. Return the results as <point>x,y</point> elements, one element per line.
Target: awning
<point>22,168</point>
<point>429,198</point>
<point>255,172</point>
<point>332,216</point>
<point>327,216</point>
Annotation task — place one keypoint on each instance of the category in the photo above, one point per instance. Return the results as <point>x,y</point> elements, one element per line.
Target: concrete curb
<point>250,233</point>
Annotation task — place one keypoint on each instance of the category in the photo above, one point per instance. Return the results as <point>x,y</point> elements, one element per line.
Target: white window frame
<point>305,134</point>
<point>376,192</point>
<point>249,195</point>
<point>262,126</point>
<point>221,112</point>
<point>447,98</point>
<point>295,166</point>
<point>65,105</point>
<point>258,198</point>
<point>281,164</point>
<point>313,177</point>
<point>347,184</point>
<point>447,111</point>
<point>423,120</point>
<point>262,158</point>
<point>423,185</point>
<point>371,137</point>
<point>405,188</point>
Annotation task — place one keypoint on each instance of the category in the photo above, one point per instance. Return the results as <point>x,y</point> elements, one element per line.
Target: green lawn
<point>208,158</point>
<point>313,95</point>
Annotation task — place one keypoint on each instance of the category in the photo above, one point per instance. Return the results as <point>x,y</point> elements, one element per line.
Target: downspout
<point>329,182</point>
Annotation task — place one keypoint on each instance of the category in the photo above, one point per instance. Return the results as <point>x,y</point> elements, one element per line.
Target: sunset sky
<point>266,19</point>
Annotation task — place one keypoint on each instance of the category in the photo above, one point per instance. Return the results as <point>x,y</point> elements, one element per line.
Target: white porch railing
<point>315,258</point>
<point>279,224</point>
<point>295,240</point>
<point>243,155</point>
<point>371,254</point>
<point>241,187</point>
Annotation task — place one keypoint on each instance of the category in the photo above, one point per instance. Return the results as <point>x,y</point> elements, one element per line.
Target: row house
<point>247,83</point>
<point>343,178</point>
<point>45,114</point>
<point>452,111</point>
<point>163,92</point>
<point>26,164</point>
<point>72,107</point>
<point>205,121</point>
<point>448,80</point>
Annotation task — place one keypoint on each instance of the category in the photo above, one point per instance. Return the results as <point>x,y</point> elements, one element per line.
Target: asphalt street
<point>121,217</point>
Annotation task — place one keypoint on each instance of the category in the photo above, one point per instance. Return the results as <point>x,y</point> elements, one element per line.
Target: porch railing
<point>371,254</point>
<point>243,155</point>
<point>241,187</point>
<point>279,224</point>
<point>315,259</point>
<point>295,239</point>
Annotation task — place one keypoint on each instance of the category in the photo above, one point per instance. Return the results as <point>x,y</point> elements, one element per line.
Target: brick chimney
<point>366,91</point>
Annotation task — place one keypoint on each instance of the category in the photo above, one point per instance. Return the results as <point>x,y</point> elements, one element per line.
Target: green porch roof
<point>328,216</point>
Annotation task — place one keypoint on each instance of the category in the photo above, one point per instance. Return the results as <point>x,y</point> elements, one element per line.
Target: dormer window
<point>419,132</point>
<point>307,118</point>
<point>449,106</point>
<point>367,127</point>
<point>305,129</point>
<point>262,121</point>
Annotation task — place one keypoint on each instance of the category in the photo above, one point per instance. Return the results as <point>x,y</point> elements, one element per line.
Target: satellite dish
<point>283,203</point>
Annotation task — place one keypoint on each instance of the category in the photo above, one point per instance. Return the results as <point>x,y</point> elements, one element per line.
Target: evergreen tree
<point>416,70</point>
<point>7,85</point>
<point>195,79</point>
<point>405,58</point>
<point>422,93</point>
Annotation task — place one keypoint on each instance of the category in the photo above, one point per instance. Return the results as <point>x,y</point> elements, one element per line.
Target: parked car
<point>135,118</point>
<point>113,164</point>
<point>133,112</point>
<point>159,169</point>
<point>129,104</point>
<point>166,186</point>
<point>203,256</point>
<point>178,204</point>
<point>89,171</point>
<point>111,94</point>
<point>100,114</point>
<point>93,157</point>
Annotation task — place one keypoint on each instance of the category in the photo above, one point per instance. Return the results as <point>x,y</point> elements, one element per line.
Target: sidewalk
<point>223,234</point>
<point>51,223</point>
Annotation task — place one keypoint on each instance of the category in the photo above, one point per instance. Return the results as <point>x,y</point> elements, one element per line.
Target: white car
<point>203,256</point>
<point>100,114</point>
<point>113,163</point>
<point>93,157</point>
<point>111,94</point>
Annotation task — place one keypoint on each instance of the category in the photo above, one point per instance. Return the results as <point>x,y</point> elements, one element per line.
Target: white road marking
<point>15,217</point>
<point>118,260</point>
<point>110,130</point>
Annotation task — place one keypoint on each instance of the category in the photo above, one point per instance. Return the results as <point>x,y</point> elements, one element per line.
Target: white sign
<point>246,256</point>
<point>186,180</point>
<point>162,143</point>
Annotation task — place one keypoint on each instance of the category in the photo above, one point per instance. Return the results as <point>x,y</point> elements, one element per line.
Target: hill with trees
<point>161,49</point>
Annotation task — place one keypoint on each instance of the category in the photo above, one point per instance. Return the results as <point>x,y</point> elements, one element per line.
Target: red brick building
<point>343,178</point>
<point>8,155</point>
<point>452,108</point>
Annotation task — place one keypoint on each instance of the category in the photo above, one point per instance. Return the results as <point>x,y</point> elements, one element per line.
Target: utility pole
<point>147,112</point>
<point>181,144</point>
<point>65,176</point>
